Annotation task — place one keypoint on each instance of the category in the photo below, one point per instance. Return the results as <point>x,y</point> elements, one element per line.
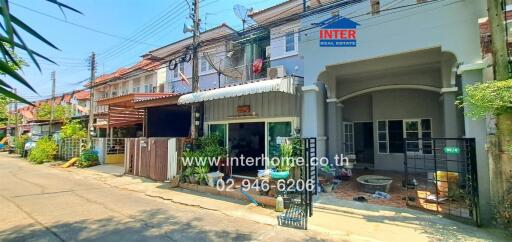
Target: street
<point>40,203</point>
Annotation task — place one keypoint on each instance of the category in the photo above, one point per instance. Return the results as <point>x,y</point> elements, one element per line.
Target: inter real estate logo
<point>338,32</point>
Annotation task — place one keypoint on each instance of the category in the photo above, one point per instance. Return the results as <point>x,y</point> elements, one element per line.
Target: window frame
<point>348,141</point>
<point>420,131</point>
<point>286,44</point>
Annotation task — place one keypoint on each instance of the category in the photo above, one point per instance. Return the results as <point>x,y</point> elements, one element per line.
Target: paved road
<point>40,203</point>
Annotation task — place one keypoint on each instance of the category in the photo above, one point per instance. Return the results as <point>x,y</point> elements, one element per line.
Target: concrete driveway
<point>40,203</point>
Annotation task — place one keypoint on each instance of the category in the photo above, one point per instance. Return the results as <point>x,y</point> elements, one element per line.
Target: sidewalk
<point>347,219</point>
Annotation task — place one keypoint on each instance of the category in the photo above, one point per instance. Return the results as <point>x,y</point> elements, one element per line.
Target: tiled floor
<point>349,189</point>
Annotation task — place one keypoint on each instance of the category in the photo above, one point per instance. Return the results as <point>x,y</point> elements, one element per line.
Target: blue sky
<point>122,18</point>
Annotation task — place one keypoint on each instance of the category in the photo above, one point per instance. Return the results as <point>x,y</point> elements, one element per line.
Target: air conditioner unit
<point>276,72</point>
<point>268,51</point>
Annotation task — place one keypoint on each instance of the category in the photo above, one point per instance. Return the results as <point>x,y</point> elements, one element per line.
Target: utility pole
<point>195,71</point>
<point>498,39</point>
<point>90,126</point>
<point>16,133</point>
<point>50,128</point>
<point>500,163</point>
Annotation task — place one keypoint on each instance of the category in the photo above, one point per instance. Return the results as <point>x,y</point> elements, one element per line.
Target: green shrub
<point>87,159</point>
<point>19,144</point>
<point>493,97</point>
<point>45,151</point>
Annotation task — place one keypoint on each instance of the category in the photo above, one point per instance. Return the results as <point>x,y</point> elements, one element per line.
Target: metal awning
<point>284,84</point>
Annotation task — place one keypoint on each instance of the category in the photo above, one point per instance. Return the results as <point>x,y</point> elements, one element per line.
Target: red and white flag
<point>183,78</point>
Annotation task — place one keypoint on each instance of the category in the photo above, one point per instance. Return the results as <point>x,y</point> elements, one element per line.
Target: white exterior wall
<point>451,25</point>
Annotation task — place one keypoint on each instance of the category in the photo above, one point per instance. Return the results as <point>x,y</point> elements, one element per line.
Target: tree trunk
<point>504,128</point>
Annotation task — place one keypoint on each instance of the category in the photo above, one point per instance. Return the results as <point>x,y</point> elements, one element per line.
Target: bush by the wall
<point>45,151</point>
<point>20,144</point>
<point>87,159</point>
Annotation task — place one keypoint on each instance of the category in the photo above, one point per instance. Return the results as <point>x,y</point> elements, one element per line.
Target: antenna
<point>243,14</point>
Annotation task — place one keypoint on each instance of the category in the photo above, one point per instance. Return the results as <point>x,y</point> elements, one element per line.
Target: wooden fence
<point>155,158</point>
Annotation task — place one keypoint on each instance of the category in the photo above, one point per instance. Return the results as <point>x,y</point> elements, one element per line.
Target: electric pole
<point>498,39</point>
<point>90,125</point>
<point>50,129</point>
<point>500,162</point>
<point>195,70</point>
<point>16,133</point>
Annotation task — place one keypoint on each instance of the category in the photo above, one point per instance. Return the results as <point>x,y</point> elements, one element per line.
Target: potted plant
<point>286,162</point>
<point>201,174</point>
<point>328,175</point>
<point>189,171</point>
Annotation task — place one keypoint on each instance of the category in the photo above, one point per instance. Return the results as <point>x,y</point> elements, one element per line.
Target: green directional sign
<point>451,150</point>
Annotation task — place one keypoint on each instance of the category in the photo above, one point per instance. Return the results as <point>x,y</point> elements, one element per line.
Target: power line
<point>81,26</point>
<point>139,31</point>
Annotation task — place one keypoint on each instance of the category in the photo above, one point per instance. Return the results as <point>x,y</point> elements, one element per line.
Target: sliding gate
<point>440,176</point>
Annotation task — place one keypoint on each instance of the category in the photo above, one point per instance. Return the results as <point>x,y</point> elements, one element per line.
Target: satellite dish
<point>220,66</point>
<point>243,14</point>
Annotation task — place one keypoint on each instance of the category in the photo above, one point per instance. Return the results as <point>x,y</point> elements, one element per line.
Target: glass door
<point>277,132</point>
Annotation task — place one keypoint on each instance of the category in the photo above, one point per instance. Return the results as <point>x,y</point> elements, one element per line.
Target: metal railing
<point>71,147</point>
<point>115,146</point>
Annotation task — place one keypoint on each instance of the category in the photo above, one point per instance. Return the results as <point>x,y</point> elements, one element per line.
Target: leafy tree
<point>60,112</point>
<point>73,129</point>
<point>11,41</point>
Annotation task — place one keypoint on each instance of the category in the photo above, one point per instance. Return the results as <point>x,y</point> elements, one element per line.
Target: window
<point>392,133</point>
<point>204,64</point>
<point>426,136</point>
<point>375,6</point>
<point>382,133</point>
<point>175,73</point>
<point>349,138</point>
<point>396,136</point>
<point>182,68</point>
<point>290,42</point>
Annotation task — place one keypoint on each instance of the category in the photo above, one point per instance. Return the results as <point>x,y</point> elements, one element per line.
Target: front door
<point>363,142</point>
<point>247,140</point>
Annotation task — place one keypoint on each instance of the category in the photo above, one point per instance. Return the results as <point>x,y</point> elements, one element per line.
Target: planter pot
<point>213,177</point>
<point>277,175</point>
<point>327,188</point>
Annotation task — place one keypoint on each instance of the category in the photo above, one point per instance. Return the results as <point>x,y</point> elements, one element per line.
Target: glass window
<point>219,129</point>
<point>290,41</point>
<point>204,64</point>
<point>276,132</point>
<point>182,68</point>
<point>382,130</point>
<point>349,138</point>
<point>426,136</point>
<point>396,136</point>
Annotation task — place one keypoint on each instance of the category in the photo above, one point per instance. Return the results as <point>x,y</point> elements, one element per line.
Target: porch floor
<point>456,206</point>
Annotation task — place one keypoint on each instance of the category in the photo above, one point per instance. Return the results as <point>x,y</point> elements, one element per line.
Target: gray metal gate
<point>302,207</point>
<point>440,176</point>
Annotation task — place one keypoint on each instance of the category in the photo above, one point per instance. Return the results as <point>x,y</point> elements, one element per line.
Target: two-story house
<point>381,79</point>
<point>259,102</point>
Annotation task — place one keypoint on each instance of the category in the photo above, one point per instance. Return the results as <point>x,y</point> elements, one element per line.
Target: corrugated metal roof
<point>285,84</point>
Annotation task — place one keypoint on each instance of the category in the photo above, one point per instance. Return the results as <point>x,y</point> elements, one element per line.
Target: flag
<point>183,78</point>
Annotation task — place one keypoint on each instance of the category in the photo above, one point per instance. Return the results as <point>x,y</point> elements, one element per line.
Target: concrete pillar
<point>450,121</point>
<point>313,121</point>
<point>477,129</point>
<point>333,122</point>
<point>340,131</point>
